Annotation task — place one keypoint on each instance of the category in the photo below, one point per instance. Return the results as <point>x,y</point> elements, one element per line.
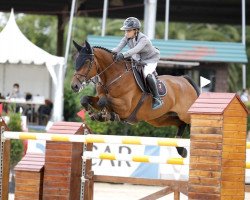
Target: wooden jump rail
<point>91,138</point>
<point>135,158</point>
<point>108,139</point>
<point>217,151</point>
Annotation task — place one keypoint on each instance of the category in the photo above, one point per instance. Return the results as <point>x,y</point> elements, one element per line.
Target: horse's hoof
<point>85,101</point>
<point>114,117</point>
<point>103,102</point>
<point>92,117</point>
<point>182,151</point>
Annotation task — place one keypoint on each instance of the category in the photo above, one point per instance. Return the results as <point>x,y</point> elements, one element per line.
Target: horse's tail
<point>195,86</point>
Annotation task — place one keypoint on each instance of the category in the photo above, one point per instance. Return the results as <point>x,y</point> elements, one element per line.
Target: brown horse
<point>119,94</point>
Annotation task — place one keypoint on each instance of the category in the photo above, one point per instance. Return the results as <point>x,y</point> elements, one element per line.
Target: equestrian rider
<point>142,49</point>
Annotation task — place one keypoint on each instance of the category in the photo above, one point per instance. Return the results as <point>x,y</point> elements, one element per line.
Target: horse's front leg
<point>95,102</point>
<point>97,108</point>
<point>98,102</point>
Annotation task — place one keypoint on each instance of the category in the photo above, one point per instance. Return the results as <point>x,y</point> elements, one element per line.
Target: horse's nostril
<point>74,87</point>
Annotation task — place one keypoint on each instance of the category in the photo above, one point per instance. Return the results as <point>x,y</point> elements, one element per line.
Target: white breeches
<point>149,69</point>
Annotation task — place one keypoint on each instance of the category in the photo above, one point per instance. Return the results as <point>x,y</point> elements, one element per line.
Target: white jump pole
<point>135,158</point>
<point>111,139</point>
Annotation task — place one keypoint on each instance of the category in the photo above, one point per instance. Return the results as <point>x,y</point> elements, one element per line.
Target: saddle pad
<point>162,89</point>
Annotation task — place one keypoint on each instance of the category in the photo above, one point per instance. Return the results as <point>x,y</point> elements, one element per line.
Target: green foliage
<point>139,129</point>
<point>15,123</point>
<point>71,104</point>
<point>16,145</point>
<point>97,127</point>
<point>248,117</point>
<point>71,99</point>
<point>41,31</point>
<point>248,123</point>
<point>248,54</point>
<point>16,152</point>
<point>145,129</point>
<point>234,81</point>
<point>247,105</point>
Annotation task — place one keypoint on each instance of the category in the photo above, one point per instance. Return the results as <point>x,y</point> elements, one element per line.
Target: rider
<point>142,49</point>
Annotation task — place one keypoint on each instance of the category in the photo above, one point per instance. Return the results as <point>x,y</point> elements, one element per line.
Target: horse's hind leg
<point>171,119</point>
<point>182,151</point>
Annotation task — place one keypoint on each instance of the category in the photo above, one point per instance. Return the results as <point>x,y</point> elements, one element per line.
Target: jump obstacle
<point>91,138</point>
<point>217,152</point>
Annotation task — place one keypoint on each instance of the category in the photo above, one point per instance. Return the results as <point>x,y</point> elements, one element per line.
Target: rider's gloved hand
<point>119,57</point>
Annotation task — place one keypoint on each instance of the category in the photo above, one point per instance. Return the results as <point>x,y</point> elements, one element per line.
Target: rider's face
<point>130,33</point>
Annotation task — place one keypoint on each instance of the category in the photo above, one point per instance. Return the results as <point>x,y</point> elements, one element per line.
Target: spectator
<point>28,109</point>
<point>244,96</point>
<point>16,91</point>
<point>44,112</point>
<point>1,97</point>
<point>16,94</point>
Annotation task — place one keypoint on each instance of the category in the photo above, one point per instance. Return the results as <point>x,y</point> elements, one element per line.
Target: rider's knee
<point>149,76</point>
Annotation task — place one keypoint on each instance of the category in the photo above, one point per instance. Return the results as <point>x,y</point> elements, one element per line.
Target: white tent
<point>36,71</point>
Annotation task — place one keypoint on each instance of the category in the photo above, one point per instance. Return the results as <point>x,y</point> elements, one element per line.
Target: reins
<point>115,79</point>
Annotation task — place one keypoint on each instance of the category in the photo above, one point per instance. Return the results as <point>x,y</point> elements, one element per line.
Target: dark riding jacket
<point>141,47</point>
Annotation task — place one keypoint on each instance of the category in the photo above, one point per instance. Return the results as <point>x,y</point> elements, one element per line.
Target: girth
<point>132,117</point>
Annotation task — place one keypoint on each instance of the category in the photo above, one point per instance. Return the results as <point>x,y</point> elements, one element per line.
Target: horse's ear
<point>88,47</point>
<point>77,46</point>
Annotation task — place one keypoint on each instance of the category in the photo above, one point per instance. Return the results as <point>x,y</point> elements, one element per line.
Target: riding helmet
<point>131,23</point>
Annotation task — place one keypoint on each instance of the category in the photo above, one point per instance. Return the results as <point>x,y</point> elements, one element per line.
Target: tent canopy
<point>16,48</point>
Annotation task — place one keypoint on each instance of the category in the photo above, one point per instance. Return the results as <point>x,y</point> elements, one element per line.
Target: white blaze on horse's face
<point>83,65</point>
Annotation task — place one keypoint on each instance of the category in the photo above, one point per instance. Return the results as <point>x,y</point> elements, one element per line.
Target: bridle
<point>85,81</point>
<point>96,79</point>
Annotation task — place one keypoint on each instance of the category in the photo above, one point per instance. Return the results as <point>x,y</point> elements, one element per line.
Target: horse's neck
<point>107,68</point>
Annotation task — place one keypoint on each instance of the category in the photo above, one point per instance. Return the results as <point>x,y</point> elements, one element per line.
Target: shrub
<point>15,124</point>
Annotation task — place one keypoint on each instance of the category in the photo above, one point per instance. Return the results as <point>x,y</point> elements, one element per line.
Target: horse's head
<point>84,69</point>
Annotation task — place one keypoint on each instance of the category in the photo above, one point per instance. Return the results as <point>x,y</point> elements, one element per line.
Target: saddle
<point>137,68</point>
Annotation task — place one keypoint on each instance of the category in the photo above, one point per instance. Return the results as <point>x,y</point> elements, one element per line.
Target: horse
<point>119,94</point>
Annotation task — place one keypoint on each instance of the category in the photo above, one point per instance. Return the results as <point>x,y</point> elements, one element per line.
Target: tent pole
<point>69,33</point>
<point>59,98</point>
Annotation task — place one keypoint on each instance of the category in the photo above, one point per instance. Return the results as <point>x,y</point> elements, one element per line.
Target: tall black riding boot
<point>157,103</point>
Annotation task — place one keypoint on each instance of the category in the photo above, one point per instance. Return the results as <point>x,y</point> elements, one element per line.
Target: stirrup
<point>154,105</point>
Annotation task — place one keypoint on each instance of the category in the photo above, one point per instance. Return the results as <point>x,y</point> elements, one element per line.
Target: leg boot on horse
<point>156,103</point>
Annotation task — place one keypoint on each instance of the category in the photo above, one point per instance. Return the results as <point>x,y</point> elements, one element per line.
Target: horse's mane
<point>103,48</point>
